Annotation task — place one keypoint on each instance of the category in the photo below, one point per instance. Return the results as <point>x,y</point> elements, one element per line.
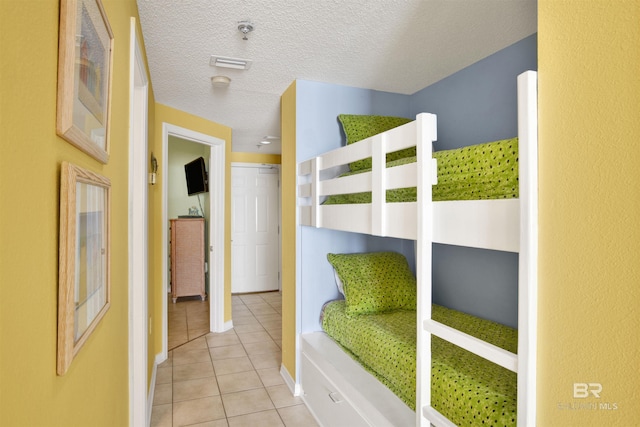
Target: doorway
<point>189,218</point>
<point>255,228</point>
<point>213,208</point>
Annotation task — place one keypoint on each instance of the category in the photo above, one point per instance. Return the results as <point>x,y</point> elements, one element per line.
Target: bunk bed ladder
<point>524,364</point>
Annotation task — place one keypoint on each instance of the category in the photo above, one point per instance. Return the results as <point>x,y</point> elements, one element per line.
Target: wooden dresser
<point>187,258</point>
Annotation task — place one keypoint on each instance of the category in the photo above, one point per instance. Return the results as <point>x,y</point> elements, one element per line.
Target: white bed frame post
<point>528,259</point>
<point>378,185</point>
<point>426,129</point>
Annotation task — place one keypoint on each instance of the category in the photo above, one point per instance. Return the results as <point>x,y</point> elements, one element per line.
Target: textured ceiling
<point>397,46</point>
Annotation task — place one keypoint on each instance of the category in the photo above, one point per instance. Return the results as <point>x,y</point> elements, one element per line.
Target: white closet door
<point>255,245</point>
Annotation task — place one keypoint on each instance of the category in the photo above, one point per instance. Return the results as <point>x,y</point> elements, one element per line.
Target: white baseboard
<point>152,390</point>
<point>227,325</point>
<point>290,382</point>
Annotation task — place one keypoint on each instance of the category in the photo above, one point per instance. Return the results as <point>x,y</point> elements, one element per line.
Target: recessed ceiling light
<point>220,81</point>
<point>227,62</point>
<point>266,140</point>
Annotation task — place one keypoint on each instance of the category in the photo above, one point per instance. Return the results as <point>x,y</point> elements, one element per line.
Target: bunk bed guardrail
<point>506,225</point>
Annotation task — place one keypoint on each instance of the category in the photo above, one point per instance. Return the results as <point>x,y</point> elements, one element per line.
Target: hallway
<point>233,378</point>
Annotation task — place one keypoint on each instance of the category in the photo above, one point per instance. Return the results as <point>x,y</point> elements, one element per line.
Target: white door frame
<point>216,226</point>
<point>139,403</point>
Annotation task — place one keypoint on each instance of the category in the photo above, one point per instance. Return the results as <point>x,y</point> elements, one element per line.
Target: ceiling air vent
<point>227,62</point>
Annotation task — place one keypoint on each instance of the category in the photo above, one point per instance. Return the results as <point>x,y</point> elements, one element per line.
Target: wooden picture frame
<point>84,77</point>
<point>84,293</point>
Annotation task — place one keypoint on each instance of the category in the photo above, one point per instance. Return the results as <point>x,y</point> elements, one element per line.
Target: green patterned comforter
<point>466,388</point>
<point>484,171</point>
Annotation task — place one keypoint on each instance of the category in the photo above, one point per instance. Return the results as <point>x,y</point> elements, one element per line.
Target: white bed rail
<point>377,218</point>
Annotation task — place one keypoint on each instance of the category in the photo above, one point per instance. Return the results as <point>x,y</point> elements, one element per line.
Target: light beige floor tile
<point>270,376</point>
<point>261,347</point>
<point>198,322</point>
<point>253,327</point>
<point>172,344</point>
<point>249,298</point>
<point>256,304</point>
<point>252,337</point>
<point>221,340</point>
<point>297,416</point>
<point>275,335</point>
<point>164,375</point>
<point>281,396</point>
<point>262,419</point>
<point>162,416</point>
<point>197,411</point>
<point>262,310</point>
<point>162,394</point>
<point>216,423</point>
<point>240,381</point>
<point>188,377</point>
<point>232,366</point>
<point>177,326</point>
<point>191,356</point>
<point>195,389</point>
<point>197,344</point>
<point>245,320</point>
<point>192,371</point>
<point>198,332</point>
<point>240,310</point>
<point>168,362</point>
<point>270,325</point>
<point>266,360</point>
<point>246,402</point>
<point>268,317</point>
<point>227,352</point>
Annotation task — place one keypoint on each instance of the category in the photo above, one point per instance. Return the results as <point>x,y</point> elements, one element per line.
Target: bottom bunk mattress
<point>466,388</point>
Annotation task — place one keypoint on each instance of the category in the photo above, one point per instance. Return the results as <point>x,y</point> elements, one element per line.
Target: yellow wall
<point>269,159</point>
<point>288,235</point>
<point>589,109</point>
<point>94,391</point>
<point>164,114</point>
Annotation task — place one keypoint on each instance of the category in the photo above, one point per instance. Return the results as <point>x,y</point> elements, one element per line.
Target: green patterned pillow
<point>375,282</point>
<point>358,127</point>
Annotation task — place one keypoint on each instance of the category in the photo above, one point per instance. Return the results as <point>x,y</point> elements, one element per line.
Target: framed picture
<point>84,291</point>
<point>84,77</point>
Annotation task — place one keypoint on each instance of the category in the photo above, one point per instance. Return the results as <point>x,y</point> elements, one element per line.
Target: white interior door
<point>255,243</point>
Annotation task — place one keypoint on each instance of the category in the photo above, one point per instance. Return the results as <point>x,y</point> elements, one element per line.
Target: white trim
<point>217,167</point>
<point>152,391</point>
<point>528,260</point>
<point>139,410</point>
<point>294,387</point>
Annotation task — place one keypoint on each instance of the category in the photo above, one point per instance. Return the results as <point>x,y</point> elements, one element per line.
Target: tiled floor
<point>188,319</point>
<point>231,379</point>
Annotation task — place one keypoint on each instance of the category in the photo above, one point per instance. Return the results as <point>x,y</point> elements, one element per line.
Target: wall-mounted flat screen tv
<point>196,174</point>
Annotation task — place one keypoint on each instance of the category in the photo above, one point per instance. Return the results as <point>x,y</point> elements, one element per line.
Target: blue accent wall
<point>318,131</point>
<point>478,104</point>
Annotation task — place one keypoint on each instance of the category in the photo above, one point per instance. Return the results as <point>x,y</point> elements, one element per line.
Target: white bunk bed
<point>337,390</point>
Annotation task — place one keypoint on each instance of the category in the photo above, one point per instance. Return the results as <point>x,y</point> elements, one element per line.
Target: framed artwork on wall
<point>84,288</point>
<point>85,56</point>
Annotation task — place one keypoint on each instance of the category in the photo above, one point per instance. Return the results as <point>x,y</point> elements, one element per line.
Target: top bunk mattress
<point>465,387</point>
<point>476,172</point>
